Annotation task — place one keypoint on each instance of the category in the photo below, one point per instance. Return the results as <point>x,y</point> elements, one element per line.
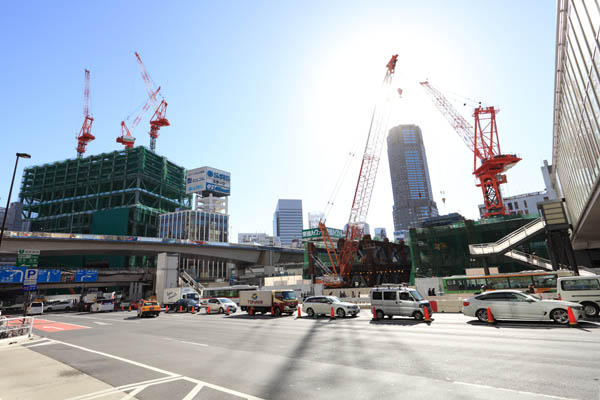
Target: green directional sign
<point>315,233</point>
<point>28,258</point>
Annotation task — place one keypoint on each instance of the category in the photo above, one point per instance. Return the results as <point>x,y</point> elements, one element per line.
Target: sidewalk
<point>26,374</point>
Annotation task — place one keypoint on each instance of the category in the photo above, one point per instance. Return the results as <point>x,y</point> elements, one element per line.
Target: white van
<point>584,290</point>
<point>395,300</point>
<point>35,308</point>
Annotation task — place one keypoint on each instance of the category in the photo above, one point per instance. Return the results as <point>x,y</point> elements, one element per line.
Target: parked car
<point>401,301</point>
<point>321,305</point>
<point>35,308</point>
<point>513,304</point>
<point>60,305</point>
<point>584,290</point>
<point>220,304</point>
<point>102,305</point>
<point>185,304</point>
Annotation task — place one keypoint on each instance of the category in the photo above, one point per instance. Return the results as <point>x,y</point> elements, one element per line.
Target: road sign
<point>28,258</point>
<point>86,275</point>
<point>30,280</point>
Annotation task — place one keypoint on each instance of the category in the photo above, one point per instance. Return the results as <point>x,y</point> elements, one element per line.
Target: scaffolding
<point>444,250</point>
<point>122,192</point>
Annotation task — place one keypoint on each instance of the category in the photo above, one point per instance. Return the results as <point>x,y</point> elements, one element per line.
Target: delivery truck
<point>269,301</point>
<point>171,295</point>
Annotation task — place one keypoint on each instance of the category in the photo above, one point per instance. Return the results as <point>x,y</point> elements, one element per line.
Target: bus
<point>228,292</point>
<point>543,281</point>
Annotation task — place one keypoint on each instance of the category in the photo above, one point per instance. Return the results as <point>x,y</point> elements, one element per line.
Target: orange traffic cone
<point>122,308</point>
<point>374,313</point>
<point>299,313</point>
<point>129,308</point>
<point>193,309</point>
<point>427,317</point>
<point>227,311</point>
<point>572,319</point>
<point>251,310</point>
<point>180,308</point>
<point>332,316</point>
<point>490,316</point>
<point>166,309</point>
<point>208,310</point>
<point>272,311</point>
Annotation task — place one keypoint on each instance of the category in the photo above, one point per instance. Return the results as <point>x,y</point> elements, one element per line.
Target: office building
<point>576,123</point>
<point>261,239</point>
<point>198,226</point>
<point>14,218</point>
<point>287,221</point>
<point>411,185</point>
<point>380,234</point>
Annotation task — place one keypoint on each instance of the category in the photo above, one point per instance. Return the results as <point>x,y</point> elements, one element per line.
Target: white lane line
<point>38,344</point>
<point>102,323</point>
<point>223,389</point>
<point>50,327</point>
<point>548,396</point>
<point>196,344</point>
<point>112,390</point>
<point>134,392</point>
<point>138,364</point>
<point>194,392</point>
<point>101,319</point>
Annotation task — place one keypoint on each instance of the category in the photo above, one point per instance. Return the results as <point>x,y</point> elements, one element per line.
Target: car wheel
<point>379,314</point>
<point>49,309</point>
<point>340,313</point>
<point>482,315</point>
<point>418,315</point>
<point>221,311</point>
<point>560,316</point>
<point>68,309</point>
<point>310,312</point>
<point>590,309</point>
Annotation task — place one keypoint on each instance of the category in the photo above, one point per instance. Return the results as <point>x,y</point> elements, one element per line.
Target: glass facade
<point>200,226</point>
<point>411,186</point>
<point>287,221</point>
<point>576,137</point>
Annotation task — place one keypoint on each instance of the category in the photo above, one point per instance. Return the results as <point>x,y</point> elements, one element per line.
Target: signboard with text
<point>315,233</point>
<point>86,275</point>
<point>30,280</point>
<point>27,258</point>
<point>208,180</point>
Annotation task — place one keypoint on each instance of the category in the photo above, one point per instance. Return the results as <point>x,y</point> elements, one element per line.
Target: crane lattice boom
<point>85,134</point>
<point>126,137</point>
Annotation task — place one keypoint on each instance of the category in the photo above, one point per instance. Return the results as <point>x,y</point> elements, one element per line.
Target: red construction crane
<point>85,134</point>
<point>366,182</point>
<point>126,137</point>
<point>159,118</point>
<point>483,141</point>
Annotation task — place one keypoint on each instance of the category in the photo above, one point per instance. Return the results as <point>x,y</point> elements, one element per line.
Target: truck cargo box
<point>256,298</point>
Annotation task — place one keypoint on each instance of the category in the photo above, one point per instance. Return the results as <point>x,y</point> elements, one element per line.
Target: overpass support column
<point>167,274</point>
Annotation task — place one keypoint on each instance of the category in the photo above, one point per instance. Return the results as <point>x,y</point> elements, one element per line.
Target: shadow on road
<point>585,326</point>
<point>257,316</point>
<point>399,321</point>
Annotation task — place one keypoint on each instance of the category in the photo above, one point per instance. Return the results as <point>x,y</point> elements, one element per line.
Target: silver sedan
<point>513,304</point>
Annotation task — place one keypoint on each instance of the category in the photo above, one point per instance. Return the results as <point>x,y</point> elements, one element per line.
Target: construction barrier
<point>434,305</point>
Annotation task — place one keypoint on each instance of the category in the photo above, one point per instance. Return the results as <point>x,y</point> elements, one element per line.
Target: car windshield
<point>334,299</point>
<point>226,300</point>
<point>416,295</point>
<point>151,303</point>
<point>289,295</point>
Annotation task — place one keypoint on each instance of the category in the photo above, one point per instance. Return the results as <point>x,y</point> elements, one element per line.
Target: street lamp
<point>19,155</point>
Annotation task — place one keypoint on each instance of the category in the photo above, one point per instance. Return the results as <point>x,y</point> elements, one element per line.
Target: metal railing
<point>510,240</point>
<point>15,327</point>
<point>530,259</point>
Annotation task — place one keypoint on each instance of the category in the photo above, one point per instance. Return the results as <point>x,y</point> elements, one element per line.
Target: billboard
<point>86,275</point>
<point>10,274</point>
<point>315,233</point>
<point>208,180</point>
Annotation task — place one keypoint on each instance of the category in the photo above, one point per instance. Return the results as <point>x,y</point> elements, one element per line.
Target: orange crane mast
<point>365,183</point>
<point>159,118</point>
<point>85,134</point>
<point>483,141</point>
<point>126,138</point>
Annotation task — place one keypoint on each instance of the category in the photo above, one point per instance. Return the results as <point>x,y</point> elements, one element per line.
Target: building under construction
<point>117,193</point>
<point>444,250</point>
<point>376,262</point>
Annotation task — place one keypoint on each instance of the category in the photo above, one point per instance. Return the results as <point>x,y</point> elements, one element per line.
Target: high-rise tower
<point>287,221</point>
<point>411,186</point>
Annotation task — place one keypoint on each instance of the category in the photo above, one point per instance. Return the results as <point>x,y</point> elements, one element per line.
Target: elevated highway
<point>52,244</point>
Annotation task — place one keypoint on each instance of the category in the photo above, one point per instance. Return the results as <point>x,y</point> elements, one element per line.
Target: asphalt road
<point>185,356</point>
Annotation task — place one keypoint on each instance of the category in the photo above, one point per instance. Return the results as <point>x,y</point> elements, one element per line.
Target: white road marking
<point>197,344</point>
<point>123,388</point>
<point>134,392</point>
<point>101,319</point>
<point>512,391</point>
<point>193,392</point>
<point>50,327</point>
<point>59,322</point>
<point>171,375</point>
<point>102,323</point>
<point>39,344</point>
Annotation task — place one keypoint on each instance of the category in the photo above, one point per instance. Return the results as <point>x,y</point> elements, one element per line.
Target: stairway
<point>509,241</point>
<point>187,279</point>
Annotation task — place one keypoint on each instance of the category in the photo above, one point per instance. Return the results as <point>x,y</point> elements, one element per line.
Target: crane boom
<point>85,134</point>
<point>126,137</point>
<point>483,141</point>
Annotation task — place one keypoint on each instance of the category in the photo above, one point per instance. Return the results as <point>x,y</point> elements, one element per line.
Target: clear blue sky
<point>278,92</point>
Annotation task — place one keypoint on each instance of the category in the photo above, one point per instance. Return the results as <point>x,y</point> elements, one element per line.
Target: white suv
<point>584,290</point>
<point>398,300</point>
<point>322,305</point>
